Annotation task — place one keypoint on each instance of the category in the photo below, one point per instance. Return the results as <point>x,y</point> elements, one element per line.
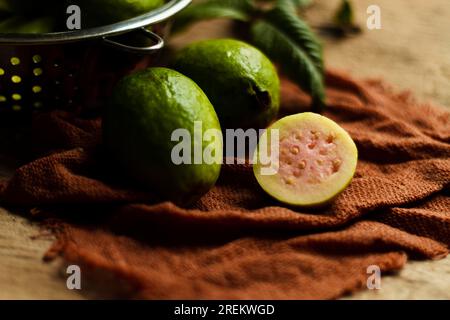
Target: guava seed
<point>295,150</point>
<point>302,165</point>
<point>331,137</point>
<point>336,165</point>
<point>289,181</point>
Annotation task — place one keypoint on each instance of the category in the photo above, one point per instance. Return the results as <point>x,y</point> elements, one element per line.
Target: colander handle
<point>159,43</point>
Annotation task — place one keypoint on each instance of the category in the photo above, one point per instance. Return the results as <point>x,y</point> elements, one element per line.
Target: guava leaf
<point>239,10</point>
<point>301,3</point>
<point>297,3</point>
<point>287,40</point>
<point>344,16</point>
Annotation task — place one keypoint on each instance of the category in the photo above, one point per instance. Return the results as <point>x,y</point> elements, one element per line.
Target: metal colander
<point>75,70</point>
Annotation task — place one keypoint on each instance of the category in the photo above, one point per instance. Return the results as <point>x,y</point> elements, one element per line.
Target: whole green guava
<point>241,82</point>
<point>147,108</point>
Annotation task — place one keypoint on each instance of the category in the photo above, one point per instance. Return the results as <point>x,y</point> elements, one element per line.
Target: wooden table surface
<point>412,51</point>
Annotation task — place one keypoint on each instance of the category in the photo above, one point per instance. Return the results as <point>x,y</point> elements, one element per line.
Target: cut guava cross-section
<point>316,160</point>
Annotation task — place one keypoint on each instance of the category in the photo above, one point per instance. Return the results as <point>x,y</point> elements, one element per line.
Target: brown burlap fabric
<point>237,242</point>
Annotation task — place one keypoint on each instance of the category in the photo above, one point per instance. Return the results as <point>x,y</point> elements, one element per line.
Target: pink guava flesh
<point>308,157</point>
<point>317,160</point>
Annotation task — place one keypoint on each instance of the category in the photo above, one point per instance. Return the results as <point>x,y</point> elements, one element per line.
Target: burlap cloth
<point>237,242</point>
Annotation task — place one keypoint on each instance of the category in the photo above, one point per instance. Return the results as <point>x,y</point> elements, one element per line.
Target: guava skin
<point>31,16</point>
<point>94,13</point>
<point>240,80</point>
<point>100,12</point>
<point>27,26</point>
<point>317,160</point>
<point>144,111</point>
<point>29,6</point>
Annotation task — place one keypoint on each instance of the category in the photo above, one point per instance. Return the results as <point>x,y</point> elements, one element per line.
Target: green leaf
<point>286,19</point>
<point>344,15</point>
<point>297,3</point>
<point>301,3</point>
<point>212,9</point>
<point>292,44</point>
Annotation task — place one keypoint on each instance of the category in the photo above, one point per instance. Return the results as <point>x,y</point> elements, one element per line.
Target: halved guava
<point>313,160</point>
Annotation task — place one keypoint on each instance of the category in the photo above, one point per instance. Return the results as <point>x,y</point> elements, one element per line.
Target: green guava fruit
<point>101,12</point>
<point>23,25</point>
<point>5,7</point>
<point>35,8</point>
<point>145,110</point>
<point>25,6</point>
<point>30,16</point>
<point>240,80</point>
<point>316,160</point>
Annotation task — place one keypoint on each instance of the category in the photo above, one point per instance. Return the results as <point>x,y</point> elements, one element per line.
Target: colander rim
<point>160,14</point>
